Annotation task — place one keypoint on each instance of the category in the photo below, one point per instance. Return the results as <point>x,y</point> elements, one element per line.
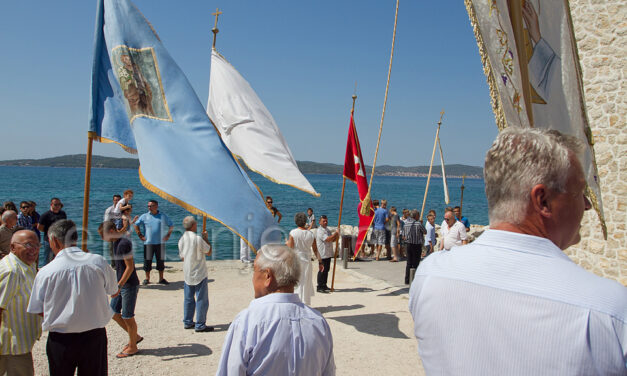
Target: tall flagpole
<point>461,200</point>
<point>435,144</point>
<point>213,46</point>
<point>90,142</point>
<point>339,221</point>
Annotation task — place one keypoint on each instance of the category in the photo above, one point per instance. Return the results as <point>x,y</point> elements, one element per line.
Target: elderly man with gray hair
<point>71,294</point>
<point>277,334</point>
<point>7,229</point>
<point>511,302</point>
<point>192,251</point>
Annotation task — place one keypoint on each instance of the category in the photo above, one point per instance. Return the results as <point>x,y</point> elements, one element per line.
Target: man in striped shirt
<point>18,329</point>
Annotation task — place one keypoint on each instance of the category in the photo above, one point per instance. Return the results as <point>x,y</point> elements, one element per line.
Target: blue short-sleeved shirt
<point>465,221</point>
<point>156,226</point>
<point>380,215</point>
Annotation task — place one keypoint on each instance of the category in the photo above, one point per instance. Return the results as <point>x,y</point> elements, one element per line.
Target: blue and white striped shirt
<point>515,304</point>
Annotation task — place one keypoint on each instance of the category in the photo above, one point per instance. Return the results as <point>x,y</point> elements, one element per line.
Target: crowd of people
<point>509,303</point>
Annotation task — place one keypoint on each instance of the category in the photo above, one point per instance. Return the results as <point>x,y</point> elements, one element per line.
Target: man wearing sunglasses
<point>454,234</point>
<point>47,219</point>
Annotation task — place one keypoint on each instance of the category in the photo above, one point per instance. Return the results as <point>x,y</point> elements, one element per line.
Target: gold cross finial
<point>217,13</point>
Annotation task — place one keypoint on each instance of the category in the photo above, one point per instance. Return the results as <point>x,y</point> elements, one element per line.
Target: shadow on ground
<point>178,285</point>
<point>181,351</point>
<point>397,292</point>
<point>355,289</point>
<point>328,309</point>
<point>378,324</point>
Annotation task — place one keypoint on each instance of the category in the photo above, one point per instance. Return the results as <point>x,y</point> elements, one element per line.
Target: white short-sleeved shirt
<point>453,236</point>
<point>192,249</point>
<point>303,239</point>
<point>278,335</point>
<point>324,248</point>
<point>71,291</point>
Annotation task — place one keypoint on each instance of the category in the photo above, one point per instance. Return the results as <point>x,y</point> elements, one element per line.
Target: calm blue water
<point>41,183</point>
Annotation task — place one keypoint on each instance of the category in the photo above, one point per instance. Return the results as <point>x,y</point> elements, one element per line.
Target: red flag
<point>355,170</point>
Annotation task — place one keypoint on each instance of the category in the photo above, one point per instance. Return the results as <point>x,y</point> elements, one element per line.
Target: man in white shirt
<point>511,302</point>
<point>192,251</point>
<point>455,232</point>
<point>324,242</point>
<point>108,215</point>
<point>277,334</point>
<point>71,293</point>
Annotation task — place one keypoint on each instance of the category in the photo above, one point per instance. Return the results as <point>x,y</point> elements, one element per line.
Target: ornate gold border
<point>596,204</point>
<point>495,97</point>
<point>104,140</point>
<point>187,206</point>
<point>165,100</point>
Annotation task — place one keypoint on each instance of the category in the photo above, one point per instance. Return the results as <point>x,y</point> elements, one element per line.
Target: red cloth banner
<point>355,170</point>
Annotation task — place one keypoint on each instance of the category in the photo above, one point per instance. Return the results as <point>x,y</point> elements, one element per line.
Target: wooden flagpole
<point>90,142</point>
<point>339,221</point>
<point>435,144</point>
<point>461,200</point>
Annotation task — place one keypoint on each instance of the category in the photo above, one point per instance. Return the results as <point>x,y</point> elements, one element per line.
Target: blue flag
<point>141,100</point>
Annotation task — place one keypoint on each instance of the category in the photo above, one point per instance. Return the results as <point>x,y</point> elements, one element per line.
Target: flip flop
<point>125,355</point>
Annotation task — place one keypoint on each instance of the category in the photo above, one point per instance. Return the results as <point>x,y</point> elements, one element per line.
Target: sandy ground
<point>369,319</point>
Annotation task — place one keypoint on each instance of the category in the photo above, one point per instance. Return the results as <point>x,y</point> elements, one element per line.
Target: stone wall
<point>601,34</point>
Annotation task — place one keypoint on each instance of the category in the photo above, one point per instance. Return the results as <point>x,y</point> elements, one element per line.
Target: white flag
<point>247,127</point>
<point>444,185</point>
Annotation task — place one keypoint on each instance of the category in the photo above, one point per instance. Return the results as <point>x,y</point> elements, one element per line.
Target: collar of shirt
<point>525,243</point>
<point>276,297</point>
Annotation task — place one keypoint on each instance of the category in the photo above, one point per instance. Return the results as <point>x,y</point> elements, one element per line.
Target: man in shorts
<point>155,224</point>
<point>380,218</point>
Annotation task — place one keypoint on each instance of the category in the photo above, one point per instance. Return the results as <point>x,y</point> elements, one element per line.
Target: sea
<point>40,184</point>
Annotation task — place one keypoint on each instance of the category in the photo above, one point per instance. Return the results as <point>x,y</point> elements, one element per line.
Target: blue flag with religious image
<point>141,100</point>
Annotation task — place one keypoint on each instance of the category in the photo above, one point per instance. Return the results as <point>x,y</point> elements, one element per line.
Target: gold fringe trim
<point>596,204</point>
<point>238,158</point>
<point>105,140</point>
<point>187,206</point>
<point>495,97</point>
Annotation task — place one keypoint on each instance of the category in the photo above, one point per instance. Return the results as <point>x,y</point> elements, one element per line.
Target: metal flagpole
<point>215,34</point>
<point>435,144</point>
<point>339,221</point>
<point>90,142</point>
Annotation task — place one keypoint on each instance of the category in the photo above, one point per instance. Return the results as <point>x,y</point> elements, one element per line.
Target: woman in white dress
<point>302,241</point>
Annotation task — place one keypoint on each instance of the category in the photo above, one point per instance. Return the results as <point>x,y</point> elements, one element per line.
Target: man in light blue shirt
<point>277,334</point>
<point>512,303</point>
<point>379,221</point>
<point>155,224</point>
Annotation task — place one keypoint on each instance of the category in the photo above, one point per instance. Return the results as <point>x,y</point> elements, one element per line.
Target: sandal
<point>125,355</point>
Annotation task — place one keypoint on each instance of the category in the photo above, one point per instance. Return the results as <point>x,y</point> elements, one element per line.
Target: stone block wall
<point>601,34</point>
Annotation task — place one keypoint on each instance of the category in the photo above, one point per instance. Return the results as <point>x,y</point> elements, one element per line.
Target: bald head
<point>9,218</point>
<point>25,245</point>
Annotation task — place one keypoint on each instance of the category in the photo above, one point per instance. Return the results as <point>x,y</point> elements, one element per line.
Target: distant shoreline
<point>306,167</point>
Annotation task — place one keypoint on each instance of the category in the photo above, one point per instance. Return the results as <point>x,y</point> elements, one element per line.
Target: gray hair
<point>414,213</point>
<point>300,219</point>
<point>8,214</point>
<point>64,230</point>
<point>519,159</point>
<point>282,261</point>
<point>188,222</point>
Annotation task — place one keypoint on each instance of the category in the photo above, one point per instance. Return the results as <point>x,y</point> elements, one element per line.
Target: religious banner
<point>529,56</point>
<point>142,100</point>
<point>355,170</point>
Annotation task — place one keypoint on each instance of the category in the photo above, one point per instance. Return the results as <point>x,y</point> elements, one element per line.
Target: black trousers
<point>323,276</point>
<point>413,259</point>
<point>86,351</point>
<point>154,250</point>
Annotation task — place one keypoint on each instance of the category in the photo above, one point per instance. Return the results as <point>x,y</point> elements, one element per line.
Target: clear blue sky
<point>302,59</point>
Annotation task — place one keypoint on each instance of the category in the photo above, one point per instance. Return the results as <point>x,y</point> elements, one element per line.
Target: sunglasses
<point>29,245</point>
<point>24,207</point>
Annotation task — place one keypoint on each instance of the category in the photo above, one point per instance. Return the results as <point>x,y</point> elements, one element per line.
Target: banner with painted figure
<point>530,59</point>
<point>143,101</point>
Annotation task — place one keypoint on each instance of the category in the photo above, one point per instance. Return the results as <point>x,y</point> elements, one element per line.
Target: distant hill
<point>307,167</point>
